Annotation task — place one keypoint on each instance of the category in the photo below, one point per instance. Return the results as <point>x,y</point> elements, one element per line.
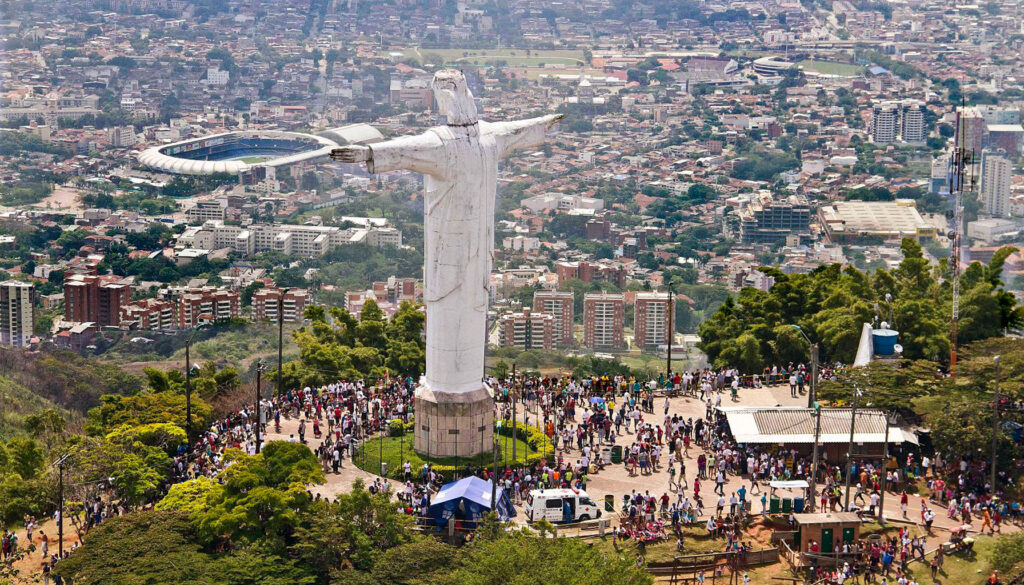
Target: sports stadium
<point>248,151</point>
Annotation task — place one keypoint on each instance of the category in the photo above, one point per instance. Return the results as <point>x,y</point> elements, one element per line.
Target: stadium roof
<point>353,134</point>
<point>155,158</point>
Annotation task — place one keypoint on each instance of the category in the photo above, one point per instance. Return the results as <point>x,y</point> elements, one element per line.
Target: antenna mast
<point>956,190</point>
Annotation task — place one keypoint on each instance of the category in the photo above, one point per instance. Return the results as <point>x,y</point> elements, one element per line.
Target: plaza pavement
<point>615,480</point>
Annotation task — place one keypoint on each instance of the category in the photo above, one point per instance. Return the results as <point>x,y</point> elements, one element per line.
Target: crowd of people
<point>583,417</point>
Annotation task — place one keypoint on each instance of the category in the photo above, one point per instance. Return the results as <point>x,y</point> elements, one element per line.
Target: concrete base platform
<point>454,424</point>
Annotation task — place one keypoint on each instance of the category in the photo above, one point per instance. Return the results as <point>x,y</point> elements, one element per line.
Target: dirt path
<point>31,566</point>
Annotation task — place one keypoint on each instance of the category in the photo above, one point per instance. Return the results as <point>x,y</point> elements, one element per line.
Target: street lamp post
<point>188,394</point>
<point>995,428</point>
<point>671,335</point>
<point>259,373</point>
<point>280,341</point>
<point>60,504</point>
<point>885,465</point>
<point>849,452</point>
<point>812,392</point>
<point>513,392</point>
<point>814,458</point>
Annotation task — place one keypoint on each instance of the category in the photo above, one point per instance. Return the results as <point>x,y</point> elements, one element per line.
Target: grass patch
<point>831,68</point>
<point>961,568</point>
<point>397,450</point>
<point>695,541</point>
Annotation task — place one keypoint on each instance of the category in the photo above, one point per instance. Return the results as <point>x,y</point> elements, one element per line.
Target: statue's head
<point>453,98</point>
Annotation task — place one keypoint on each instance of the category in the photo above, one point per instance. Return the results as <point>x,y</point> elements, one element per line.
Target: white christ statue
<point>460,164</point>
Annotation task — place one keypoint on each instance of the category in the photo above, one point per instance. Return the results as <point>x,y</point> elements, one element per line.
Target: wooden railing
<point>705,561</point>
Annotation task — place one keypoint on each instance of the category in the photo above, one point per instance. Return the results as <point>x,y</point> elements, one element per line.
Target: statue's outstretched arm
<point>422,153</point>
<point>521,134</point>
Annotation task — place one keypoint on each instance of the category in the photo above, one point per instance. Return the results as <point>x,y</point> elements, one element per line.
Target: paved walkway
<point>615,480</point>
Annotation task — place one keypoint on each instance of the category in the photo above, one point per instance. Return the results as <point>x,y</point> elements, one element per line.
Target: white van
<point>551,506</point>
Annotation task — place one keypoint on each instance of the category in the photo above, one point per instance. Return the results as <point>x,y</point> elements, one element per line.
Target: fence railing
<point>705,561</point>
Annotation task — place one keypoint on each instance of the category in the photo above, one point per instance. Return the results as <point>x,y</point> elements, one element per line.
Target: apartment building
<point>266,303</point>
<point>304,240</point>
<point>199,306</point>
<point>885,123</point>
<point>204,211</point>
<point>90,298</point>
<point>16,312</point>
<point>996,171</point>
<point>652,320</point>
<point>912,128</point>
<point>597,271</point>
<point>527,330</point>
<point>150,315</point>
<point>559,305</point>
<point>603,320</point>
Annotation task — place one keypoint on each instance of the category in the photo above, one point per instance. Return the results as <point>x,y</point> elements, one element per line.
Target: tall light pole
<point>494,477</point>
<point>814,458</point>
<point>885,465</point>
<point>849,452</point>
<point>280,341</point>
<point>812,392</point>
<point>514,394</point>
<point>188,394</point>
<point>60,503</point>
<point>671,334</point>
<point>259,373</point>
<point>995,428</point>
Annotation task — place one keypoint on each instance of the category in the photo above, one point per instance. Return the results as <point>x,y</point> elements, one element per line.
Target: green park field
<point>831,68</point>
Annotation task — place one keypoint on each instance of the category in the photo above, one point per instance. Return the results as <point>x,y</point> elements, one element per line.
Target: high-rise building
<point>265,304</point>
<point>995,182</point>
<point>972,131</point>
<point>122,136</point>
<point>766,221</point>
<point>16,313</point>
<point>597,271</point>
<point>559,305</point>
<point>89,298</point>
<point>603,320</point>
<point>885,122</point>
<point>912,127</point>
<point>204,305</point>
<point>652,321</point>
<point>527,330</point>
<point>149,315</point>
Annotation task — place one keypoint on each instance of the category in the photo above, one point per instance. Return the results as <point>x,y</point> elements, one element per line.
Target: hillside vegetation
<point>19,402</point>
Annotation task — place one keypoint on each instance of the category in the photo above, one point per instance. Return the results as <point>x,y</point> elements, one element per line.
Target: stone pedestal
<point>454,424</point>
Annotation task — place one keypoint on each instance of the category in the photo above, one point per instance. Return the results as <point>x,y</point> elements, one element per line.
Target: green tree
<point>25,457</point>
<point>262,496</point>
<point>355,529</point>
<point>519,558</point>
<point>47,424</point>
<point>161,547</point>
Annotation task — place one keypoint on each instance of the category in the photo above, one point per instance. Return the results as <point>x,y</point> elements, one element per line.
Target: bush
<point>397,428</point>
<point>533,437</point>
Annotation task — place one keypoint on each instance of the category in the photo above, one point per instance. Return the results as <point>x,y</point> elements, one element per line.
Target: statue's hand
<point>351,154</point>
<point>555,118</point>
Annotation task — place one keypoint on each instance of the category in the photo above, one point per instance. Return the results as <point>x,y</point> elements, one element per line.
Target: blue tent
<point>467,499</point>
